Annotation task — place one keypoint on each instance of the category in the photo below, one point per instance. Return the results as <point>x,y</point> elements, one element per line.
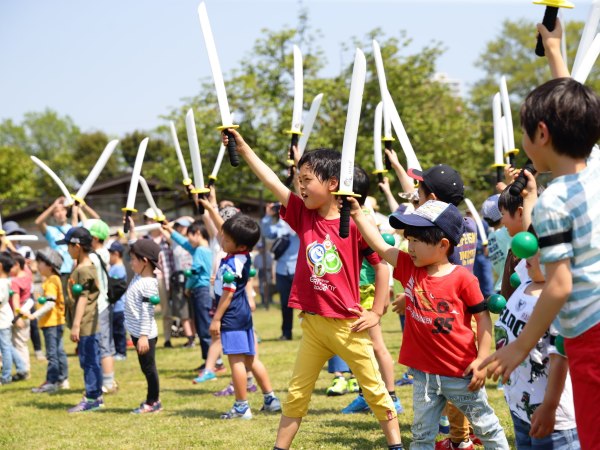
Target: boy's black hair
<point>18,258</point>
<point>428,235</point>
<point>509,202</point>
<point>6,261</point>
<point>323,162</point>
<point>243,230</point>
<point>360,184</point>
<point>570,110</point>
<point>492,223</point>
<point>198,226</point>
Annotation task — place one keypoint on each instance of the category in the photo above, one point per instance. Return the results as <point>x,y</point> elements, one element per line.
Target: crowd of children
<point>340,288</point>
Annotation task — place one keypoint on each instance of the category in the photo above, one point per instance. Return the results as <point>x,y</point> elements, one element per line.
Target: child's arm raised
<point>213,214</point>
<point>260,169</point>
<point>407,183</point>
<point>551,40</point>
<point>544,417</point>
<point>371,234</point>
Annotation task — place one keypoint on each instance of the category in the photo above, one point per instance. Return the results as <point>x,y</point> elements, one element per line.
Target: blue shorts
<point>238,342</point>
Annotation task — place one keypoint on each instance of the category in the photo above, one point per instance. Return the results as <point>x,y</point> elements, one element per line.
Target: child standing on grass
<point>326,289</point>
<point>82,316</point>
<point>117,270</point>
<point>232,321</point>
<point>539,392</point>
<point>441,299</point>
<point>139,317</point>
<point>51,319</point>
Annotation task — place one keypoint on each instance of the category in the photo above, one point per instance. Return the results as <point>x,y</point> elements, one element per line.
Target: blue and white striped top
<point>566,219</point>
<point>139,315</point>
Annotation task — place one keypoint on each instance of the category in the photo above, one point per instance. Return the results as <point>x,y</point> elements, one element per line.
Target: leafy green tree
<point>15,179</point>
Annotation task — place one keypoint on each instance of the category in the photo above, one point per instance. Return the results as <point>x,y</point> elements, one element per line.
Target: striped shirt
<point>566,219</point>
<point>139,314</point>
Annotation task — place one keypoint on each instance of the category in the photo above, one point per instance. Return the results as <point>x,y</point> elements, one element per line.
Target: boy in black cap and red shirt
<point>81,311</point>
<point>441,300</point>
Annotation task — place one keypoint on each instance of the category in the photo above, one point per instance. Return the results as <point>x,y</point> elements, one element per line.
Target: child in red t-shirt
<point>326,290</point>
<point>441,299</point>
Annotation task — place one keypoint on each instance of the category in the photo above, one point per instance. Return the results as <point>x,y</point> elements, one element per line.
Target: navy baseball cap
<point>433,213</point>
<point>76,235</point>
<point>116,246</point>
<point>443,181</point>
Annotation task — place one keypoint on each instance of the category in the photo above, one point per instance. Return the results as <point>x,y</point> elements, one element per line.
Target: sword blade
<point>23,237</point>
<point>93,175</point>
<point>184,172</point>
<point>135,174</point>
<point>215,66</point>
<point>497,118</point>
<point>190,126</point>
<point>387,123</point>
<point>298,92</point>
<point>411,158</point>
<point>507,113</point>
<point>57,180</point>
<point>588,61</point>
<point>357,86</point>
<point>310,121</point>
<point>377,136</point>
<point>149,198</point>
<point>588,34</point>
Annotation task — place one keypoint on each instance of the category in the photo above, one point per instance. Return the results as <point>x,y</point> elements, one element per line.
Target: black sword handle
<point>499,174</point>
<point>211,182</point>
<point>345,218</point>
<point>549,22</point>
<point>199,206</point>
<point>519,184</point>
<point>234,158</point>
<point>293,144</point>
<point>380,180</point>
<point>292,157</point>
<point>511,159</point>
<point>126,224</point>
<point>388,163</point>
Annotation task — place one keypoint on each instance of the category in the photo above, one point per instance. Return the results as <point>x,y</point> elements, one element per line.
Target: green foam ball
<point>388,238</point>
<point>496,303</point>
<point>187,273</point>
<point>155,299</point>
<point>515,280</point>
<point>42,300</point>
<point>228,277</point>
<point>252,272</point>
<point>524,245</point>
<point>77,289</point>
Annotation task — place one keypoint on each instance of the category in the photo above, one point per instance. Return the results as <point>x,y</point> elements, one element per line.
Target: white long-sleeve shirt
<point>139,314</point>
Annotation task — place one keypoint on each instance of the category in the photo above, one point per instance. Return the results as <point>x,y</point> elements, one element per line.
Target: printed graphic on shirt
<point>422,303</point>
<point>528,407</point>
<point>323,257</point>
<point>467,248</point>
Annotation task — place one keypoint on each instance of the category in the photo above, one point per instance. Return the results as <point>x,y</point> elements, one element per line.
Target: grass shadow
<point>191,413</point>
<point>188,392</point>
<point>48,405</point>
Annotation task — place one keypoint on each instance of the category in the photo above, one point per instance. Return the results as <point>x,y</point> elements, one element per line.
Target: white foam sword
<point>212,178</point>
<point>57,180</point>
<point>133,185</point>
<point>379,170</point>
<point>213,58</point>
<point>498,146</point>
<point>387,122</point>
<point>346,178</point>
<point>186,178</point>
<point>309,123</point>
<point>199,187</point>
<point>158,217</point>
<point>95,172</point>
<point>296,129</point>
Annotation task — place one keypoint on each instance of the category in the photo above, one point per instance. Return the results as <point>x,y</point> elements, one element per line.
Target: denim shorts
<point>557,440</point>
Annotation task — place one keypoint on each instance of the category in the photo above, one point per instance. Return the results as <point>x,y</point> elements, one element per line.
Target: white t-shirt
<point>527,385</point>
<point>6,313</point>
<point>102,276</point>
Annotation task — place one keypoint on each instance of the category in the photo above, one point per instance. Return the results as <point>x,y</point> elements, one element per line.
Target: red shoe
<point>447,444</point>
<point>475,439</point>
<point>220,368</point>
<point>130,343</point>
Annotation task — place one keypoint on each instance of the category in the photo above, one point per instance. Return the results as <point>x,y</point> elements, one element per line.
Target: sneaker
<point>64,384</point>
<point>119,357</point>
<point>220,368</point>
<point>39,355</point>
<point>444,426</point>
<point>207,375</point>
<point>405,380</point>
<point>20,376</point>
<point>45,387</point>
<point>168,344</point>
<point>358,405</point>
<point>112,390</point>
<point>398,406</point>
<point>200,368</point>
<point>225,392</point>
<point>251,387</point>
<point>238,412</point>
<point>339,386</point>
<point>447,444</point>
<point>189,344</point>
<point>87,405</point>
<point>271,404</point>
<point>352,386</point>
<point>130,344</point>
<point>146,408</point>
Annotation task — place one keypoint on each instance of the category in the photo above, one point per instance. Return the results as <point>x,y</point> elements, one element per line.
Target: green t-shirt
<point>87,277</point>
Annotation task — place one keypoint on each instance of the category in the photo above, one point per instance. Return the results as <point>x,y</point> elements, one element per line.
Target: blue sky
<point>117,65</point>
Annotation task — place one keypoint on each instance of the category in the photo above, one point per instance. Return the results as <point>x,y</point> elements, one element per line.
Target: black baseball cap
<point>146,248</point>
<point>76,235</point>
<point>443,181</point>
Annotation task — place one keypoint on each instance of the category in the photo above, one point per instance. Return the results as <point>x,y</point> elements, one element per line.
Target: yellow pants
<point>322,338</point>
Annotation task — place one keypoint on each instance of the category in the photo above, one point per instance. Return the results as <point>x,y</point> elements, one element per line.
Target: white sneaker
<point>64,384</point>
<point>271,404</point>
<point>238,412</point>
<point>45,387</point>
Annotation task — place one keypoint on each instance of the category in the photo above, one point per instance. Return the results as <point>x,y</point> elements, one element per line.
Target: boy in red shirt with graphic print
<point>325,289</point>
<point>441,299</point>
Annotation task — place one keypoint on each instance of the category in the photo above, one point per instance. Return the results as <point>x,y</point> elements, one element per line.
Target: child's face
<point>534,269</point>
<point>314,193</point>
<point>45,269</point>
<point>60,214</point>
<point>73,250</point>
<point>137,264</point>
<point>113,258</point>
<point>229,245</point>
<point>513,223</point>
<point>423,254</point>
<point>14,270</point>
<point>195,239</point>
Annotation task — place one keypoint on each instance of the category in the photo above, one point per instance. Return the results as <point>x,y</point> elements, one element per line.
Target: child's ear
<point>519,211</point>
<point>444,245</point>
<point>333,184</point>
<point>542,133</point>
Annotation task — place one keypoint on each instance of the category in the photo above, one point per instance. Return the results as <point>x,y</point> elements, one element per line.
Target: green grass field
<point>190,418</point>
